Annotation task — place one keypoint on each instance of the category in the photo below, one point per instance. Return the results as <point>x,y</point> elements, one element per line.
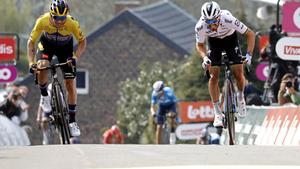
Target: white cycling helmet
<point>210,10</point>
<point>158,86</point>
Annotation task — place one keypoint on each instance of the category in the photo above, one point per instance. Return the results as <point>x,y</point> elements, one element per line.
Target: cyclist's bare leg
<point>71,89</point>
<point>213,83</point>
<point>158,134</point>
<point>42,75</point>
<point>44,126</point>
<point>238,73</point>
<point>173,123</point>
<point>214,91</point>
<point>72,100</point>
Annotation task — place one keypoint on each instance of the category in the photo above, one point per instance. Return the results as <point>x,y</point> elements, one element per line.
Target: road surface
<point>89,156</point>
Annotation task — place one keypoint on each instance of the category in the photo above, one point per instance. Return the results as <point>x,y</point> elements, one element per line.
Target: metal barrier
<point>268,125</point>
<point>12,134</point>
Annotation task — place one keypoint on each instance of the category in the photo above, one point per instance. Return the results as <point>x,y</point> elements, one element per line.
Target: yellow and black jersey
<point>61,35</point>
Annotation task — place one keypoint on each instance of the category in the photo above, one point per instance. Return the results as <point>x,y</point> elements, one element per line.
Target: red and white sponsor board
<point>190,131</point>
<point>280,127</point>
<point>288,48</point>
<point>201,111</point>
<point>8,49</point>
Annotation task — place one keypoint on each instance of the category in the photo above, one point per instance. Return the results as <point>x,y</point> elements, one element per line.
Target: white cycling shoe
<point>46,103</point>
<point>242,111</point>
<point>74,129</point>
<point>218,122</point>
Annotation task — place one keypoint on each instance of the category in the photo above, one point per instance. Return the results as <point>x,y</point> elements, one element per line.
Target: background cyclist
<point>220,27</point>
<point>57,29</point>
<point>163,101</point>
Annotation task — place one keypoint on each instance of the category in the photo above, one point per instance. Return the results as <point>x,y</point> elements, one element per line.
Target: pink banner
<point>262,70</point>
<point>7,73</point>
<point>291,17</point>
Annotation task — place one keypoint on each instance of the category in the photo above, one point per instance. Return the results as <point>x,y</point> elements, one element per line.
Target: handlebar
<point>51,67</point>
<point>225,62</point>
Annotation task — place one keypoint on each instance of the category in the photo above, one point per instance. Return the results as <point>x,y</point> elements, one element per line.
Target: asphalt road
<point>88,156</point>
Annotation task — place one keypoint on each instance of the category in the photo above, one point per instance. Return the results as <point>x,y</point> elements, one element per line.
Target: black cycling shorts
<point>229,44</point>
<point>46,50</point>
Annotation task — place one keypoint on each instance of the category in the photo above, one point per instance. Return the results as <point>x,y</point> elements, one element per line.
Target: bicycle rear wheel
<point>229,111</point>
<point>62,110</point>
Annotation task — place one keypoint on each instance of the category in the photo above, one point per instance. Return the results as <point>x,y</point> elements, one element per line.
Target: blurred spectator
<point>278,67</point>
<point>14,107</point>
<point>203,137</point>
<point>113,136</point>
<point>210,135</point>
<point>252,94</point>
<point>288,92</point>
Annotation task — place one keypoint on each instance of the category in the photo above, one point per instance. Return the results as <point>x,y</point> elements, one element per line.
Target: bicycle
<point>230,103</point>
<point>230,100</point>
<point>59,114</point>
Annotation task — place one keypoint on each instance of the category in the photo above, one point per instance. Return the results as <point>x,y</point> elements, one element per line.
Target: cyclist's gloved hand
<point>248,58</point>
<point>206,62</point>
<point>32,67</point>
<point>72,60</point>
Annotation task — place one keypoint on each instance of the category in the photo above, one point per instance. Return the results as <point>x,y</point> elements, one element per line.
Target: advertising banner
<point>262,71</point>
<point>288,48</point>
<point>190,131</point>
<point>8,73</point>
<point>8,48</point>
<point>201,111</point>
<point>268,125</point>
<point>291,17</point>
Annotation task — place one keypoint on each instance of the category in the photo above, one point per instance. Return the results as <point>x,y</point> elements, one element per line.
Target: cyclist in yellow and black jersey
<point>54,32</point>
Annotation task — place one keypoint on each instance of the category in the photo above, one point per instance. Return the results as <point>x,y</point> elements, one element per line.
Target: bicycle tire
<point>229,111</point>
<point>62,111</point>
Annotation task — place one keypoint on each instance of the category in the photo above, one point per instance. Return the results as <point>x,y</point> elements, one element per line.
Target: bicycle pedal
<point>51,118</point>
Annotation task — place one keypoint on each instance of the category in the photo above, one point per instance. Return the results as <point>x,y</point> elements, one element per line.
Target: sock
<point>217,107</point>
<point>43,89</point>
<point>172,129</point>
<point>72,112</point>
<point>240,95</point>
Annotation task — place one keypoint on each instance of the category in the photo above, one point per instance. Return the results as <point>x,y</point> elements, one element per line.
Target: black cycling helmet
<point>59,8</point>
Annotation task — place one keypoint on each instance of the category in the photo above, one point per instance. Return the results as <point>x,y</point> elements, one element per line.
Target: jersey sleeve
<point>200,33</point>
<point>153,99</point>
<point>37,30</point>
<point>234,23</point>
<point>174,99</point>
<point>76,30</point>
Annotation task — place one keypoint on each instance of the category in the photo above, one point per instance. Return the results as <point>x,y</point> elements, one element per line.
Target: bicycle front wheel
<point>63,111</point>
<point>229,110</point>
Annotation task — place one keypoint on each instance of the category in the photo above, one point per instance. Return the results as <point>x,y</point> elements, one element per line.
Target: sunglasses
<point>59,18</point>
<point>211,21</point>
